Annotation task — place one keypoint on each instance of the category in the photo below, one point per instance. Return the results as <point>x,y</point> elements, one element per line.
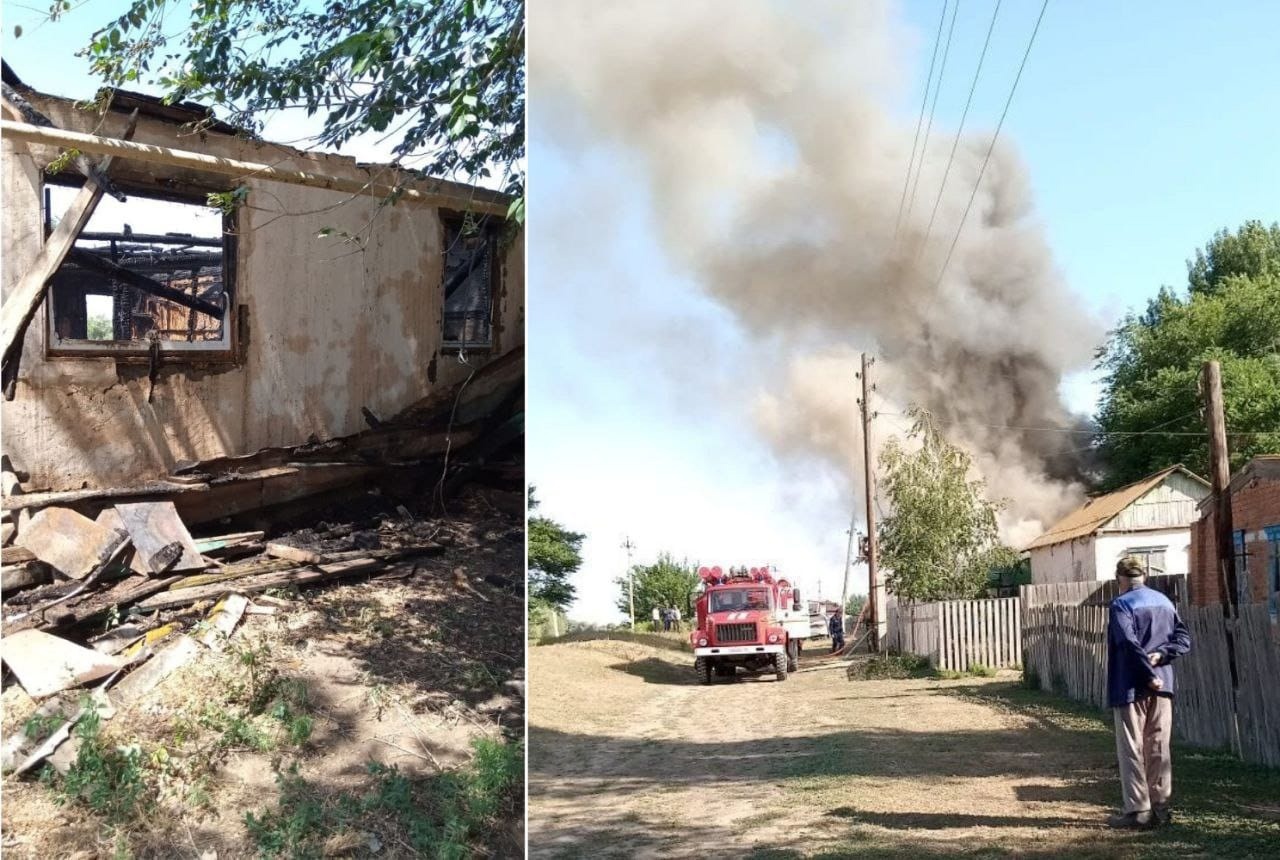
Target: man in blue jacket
<point>1144,637</point>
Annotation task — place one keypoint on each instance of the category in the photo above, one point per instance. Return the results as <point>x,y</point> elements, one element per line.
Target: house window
<point>152,271</point>
<point>470,272</point>
<point>1152,558</point>
<point>1240,557</point>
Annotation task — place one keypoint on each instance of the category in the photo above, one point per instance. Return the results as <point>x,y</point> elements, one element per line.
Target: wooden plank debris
<point>7,532</point>
<point>222,620</point>
<point>216,545</point>
<point>155,527</point>
<point>281,579</point>
<point>71,543</point>
<point>110,518</point>
<point>16,555</point>
<point>293,553</point>
<point>14,577</point>
<point>24,299</point>
<point>45,664</point>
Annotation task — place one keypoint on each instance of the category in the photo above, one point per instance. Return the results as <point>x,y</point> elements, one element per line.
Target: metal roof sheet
<point>1100,510</point>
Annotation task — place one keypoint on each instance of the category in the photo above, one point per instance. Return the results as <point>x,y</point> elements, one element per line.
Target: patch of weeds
<point>108,780</point>
<point>982,670</point>
<point>293,830</point>
<point>234,730</point>
<point>38,727</point>
<point>444,816</point>
<point>374,623</point>
<point>891,666</point>
<point>948,674</point>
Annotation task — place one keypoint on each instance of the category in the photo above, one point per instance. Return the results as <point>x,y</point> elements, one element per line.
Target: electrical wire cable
<point>991,148</point>
<point>924,103</point>
<point>955,144</point>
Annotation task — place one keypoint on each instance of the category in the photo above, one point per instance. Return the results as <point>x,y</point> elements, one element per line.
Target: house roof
<point>1100,510</point>
<point>1262,467</point>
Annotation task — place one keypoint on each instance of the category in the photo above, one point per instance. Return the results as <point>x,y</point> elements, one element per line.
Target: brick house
<point>1255,517</point>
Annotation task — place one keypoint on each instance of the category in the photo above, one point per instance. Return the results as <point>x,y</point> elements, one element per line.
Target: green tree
<point>443,81</point>
<point>555,553</point>
<point>940,540</point>
<point>1152,362</point>
<point>855,604</point>
<point>99,328</point>
<point>666,582</point>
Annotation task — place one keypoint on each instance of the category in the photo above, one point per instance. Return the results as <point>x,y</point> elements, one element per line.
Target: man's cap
<point>1130,566</point>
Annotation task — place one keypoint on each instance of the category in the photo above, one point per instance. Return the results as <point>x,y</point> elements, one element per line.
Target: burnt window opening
<point>152,270</point>
<point>470,271</point>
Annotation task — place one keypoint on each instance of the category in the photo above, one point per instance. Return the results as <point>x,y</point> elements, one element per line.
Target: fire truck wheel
<point>780,666</point>
<point>793,655</point>
<point>702,668</point>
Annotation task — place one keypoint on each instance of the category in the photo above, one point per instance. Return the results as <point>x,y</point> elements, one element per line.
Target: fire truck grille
<point>726,633</point>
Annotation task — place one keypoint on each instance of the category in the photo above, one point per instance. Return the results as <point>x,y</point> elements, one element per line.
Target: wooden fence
<point>1174,586</point>
<point>957,634</point>
<point>1065,649</point>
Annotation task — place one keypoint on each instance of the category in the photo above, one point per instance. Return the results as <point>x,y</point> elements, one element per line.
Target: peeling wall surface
<point>332,327</point>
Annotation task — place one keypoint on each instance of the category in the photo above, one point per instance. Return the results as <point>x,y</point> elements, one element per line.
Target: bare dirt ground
<point>629,757</point>
<point>338,723</point>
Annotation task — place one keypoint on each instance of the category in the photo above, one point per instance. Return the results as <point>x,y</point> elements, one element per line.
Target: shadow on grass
<point>654,670</point>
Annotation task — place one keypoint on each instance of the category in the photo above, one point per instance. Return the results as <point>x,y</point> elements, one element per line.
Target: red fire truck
<point>747,620</point>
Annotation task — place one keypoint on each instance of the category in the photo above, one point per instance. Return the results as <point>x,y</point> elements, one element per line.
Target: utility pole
<point>1220,466</point>
<point>876,595</point>
<point>631,581</point>
<point>1220,463</point>
<point>848,564</point>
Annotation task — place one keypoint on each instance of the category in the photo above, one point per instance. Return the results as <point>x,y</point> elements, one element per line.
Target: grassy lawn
<point>1223,807</point>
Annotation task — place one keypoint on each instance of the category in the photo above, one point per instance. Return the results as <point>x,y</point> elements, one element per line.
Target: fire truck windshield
<point>739,599</point>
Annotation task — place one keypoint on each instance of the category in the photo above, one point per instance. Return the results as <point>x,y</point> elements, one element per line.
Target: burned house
<point>299,332</point>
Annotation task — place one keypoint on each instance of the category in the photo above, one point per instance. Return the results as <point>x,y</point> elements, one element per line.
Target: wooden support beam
<point>485,202</point>
<point>90,260</point>
<point>24,300</point>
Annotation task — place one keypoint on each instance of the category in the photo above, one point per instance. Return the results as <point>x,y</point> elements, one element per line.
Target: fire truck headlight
<point>773,637</point>
<point>702,642</point>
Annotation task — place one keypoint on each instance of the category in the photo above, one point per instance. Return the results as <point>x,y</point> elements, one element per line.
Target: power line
<point>959,129</point>
<point>924,102</point>
<point>1089,432</point>
<point>942,70</point>
<point>1026,54</point>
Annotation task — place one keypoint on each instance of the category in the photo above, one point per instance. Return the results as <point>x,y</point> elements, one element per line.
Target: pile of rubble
<point>161,595</point>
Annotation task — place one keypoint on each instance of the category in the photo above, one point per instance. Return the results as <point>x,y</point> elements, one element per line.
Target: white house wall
<point>1069,561</point>
<point>1171,504</point>
<point>331,328</point>
<point>1111,548</point>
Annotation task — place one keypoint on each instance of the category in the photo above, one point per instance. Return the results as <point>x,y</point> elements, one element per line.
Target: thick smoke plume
<point>776,175</point>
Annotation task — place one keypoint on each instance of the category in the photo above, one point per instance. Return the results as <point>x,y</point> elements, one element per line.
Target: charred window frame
<point>126,267</point>
<point>471,279</point>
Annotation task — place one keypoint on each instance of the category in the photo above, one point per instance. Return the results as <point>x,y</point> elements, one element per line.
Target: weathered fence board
<point>1065,649</point>
<point>1174,586</point>
<point>958,634</point>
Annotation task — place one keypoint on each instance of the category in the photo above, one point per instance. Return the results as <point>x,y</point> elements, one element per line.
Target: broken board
<point>46,664</point>
<point>154,526</point>
<point>110,518</point>
<point>67,541</point>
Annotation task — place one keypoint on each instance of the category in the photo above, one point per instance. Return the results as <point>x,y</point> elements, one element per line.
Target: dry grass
<point>629,757</point>
<point>402,672</point>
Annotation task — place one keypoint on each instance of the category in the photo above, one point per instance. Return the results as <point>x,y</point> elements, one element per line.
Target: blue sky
<point>1144,130</point>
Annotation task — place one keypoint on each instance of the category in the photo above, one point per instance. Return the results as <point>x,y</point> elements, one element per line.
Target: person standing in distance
<point>1144,637</point>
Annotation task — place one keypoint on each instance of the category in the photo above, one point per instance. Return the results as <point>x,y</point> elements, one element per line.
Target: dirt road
<point>629,757</point>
